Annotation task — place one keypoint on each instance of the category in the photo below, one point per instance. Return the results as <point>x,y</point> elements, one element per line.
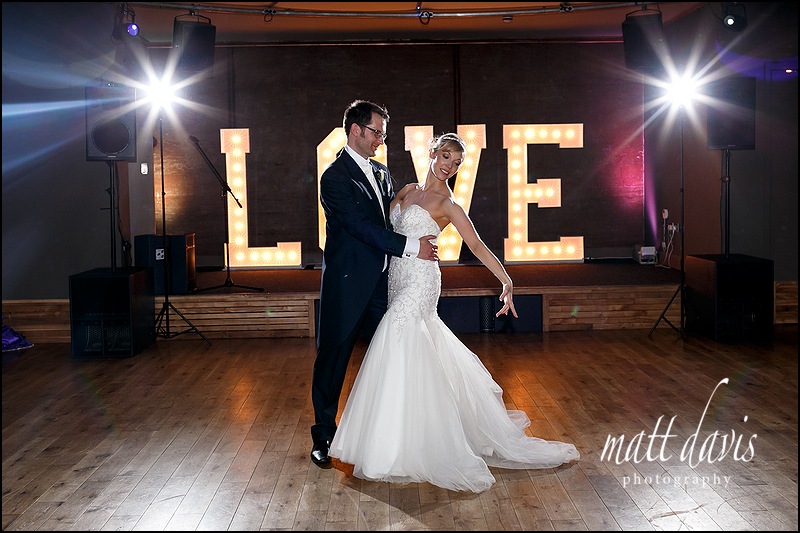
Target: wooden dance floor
<point>190,436</point>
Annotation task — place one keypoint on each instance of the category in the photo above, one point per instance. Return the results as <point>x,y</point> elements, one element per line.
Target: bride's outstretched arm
<point>459,218</point>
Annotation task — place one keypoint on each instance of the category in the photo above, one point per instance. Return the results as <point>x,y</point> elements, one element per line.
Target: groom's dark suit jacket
<point>358,239</point>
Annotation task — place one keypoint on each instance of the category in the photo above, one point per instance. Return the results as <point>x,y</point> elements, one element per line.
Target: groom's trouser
<point>330,366</point>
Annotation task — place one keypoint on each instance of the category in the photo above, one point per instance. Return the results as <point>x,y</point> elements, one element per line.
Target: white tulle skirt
<point>423,408</point>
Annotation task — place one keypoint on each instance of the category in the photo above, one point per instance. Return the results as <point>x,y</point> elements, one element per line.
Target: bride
<point>423,408</point>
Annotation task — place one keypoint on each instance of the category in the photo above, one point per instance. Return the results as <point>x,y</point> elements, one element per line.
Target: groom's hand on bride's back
<point>427,249</point>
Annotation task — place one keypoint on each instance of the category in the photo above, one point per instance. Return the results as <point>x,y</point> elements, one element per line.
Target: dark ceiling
<point>275,22</point>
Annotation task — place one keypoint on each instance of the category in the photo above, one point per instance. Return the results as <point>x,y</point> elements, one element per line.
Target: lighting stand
<point>726,182</point>
<point>225,191</point>
<point>682,287</point>
<point>162,320</point>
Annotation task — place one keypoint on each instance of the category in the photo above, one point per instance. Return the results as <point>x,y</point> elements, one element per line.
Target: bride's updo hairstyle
<point>449,142</point>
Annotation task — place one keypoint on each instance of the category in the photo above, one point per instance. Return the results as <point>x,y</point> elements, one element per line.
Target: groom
<point>355,192</point>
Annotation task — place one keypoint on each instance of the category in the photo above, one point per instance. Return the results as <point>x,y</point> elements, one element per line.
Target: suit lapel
<point>381,182</point>
<point>383,185</point>
<point>358,175</point>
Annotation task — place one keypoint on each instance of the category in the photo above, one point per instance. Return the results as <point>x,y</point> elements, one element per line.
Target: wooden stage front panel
<point>257,314</point>
<point>573,297</point>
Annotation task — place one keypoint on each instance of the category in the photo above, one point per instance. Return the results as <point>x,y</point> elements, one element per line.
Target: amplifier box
<point>150,252</point>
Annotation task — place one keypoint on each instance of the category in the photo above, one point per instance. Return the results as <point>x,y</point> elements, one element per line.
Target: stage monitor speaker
<point>194,42</point>
<point>732,114</point>
<point>112,312</point>
<point>643,40</point>
<point>110,123</point>
<point>150,252</point>
<point>729,298</point>
<point>475,314</point>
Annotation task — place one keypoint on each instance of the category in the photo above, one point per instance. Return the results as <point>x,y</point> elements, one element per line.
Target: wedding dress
<point>423,407</point>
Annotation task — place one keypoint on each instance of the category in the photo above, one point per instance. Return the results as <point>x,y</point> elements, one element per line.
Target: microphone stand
<point>225,190</point>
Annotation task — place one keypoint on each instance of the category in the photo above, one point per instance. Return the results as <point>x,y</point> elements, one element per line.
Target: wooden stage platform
<point>549,297</point>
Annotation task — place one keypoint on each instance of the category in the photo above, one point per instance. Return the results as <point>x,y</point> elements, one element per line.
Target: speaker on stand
<point>731,118</point>
<point>194,41</point>
<point>111,137</point>
<point>731,124</point>
<point>110,123</point>
<point>643,40</point>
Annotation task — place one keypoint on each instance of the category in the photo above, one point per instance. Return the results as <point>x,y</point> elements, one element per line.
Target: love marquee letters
<point>546,193</point>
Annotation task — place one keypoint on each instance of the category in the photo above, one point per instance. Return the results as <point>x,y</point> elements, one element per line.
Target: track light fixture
<point>735,16</point>
<point>125,23</point>
<point>424,17</point>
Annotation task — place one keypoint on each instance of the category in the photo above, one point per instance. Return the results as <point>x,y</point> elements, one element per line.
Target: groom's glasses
<point>380,134</point>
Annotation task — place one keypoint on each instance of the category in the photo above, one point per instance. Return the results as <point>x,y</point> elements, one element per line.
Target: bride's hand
<point>508,301</point>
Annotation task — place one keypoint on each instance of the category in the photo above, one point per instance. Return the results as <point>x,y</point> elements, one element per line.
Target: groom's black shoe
<point>319,454</point>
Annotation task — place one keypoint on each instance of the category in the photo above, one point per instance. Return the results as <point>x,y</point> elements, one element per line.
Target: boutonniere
<point>381,173</point>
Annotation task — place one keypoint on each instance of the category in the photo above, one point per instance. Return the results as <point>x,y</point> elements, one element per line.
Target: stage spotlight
<point>735,16</point>
<point>124,23</point>
<point>133,29</point>
<point>681,92</point>
<point>161,94</point>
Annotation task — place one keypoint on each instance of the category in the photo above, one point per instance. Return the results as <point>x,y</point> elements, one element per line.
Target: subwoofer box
<point>729,297</point>
<point>111,311</point>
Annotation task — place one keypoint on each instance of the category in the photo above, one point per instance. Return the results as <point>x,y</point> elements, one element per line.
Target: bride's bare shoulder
<point>407,188</point>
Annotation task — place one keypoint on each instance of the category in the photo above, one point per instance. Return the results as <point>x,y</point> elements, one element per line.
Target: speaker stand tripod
<point>162,320</point>
<point>225,191</point>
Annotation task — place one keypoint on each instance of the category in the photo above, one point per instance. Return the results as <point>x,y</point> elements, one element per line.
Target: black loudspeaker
<point>643,39</point>
<point>110,123</point>
<point>732,114</point>
<point>193,41</point>
<point>112,312</point>
<point>475,314</point>
<point>150,252</point>
<point>729,298</point>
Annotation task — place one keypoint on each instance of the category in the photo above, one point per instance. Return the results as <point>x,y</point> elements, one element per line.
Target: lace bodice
<point>414,284</point>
